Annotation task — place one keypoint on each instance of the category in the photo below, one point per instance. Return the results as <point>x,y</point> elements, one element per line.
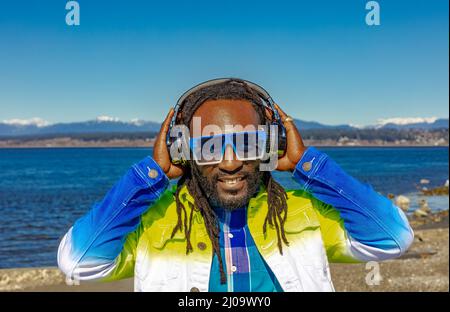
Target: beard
<point>230,200</point>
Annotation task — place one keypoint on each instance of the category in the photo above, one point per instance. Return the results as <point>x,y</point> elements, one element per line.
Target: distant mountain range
<point>102,124</point>
<point>413,123</point>
<point>105,124</point>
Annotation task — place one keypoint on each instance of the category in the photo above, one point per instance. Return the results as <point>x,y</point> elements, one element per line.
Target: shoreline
<point>424,267</point>
<point>94,146</point>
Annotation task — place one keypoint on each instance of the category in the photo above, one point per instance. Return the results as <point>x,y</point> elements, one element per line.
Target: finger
<point>166,123</point>
<point>160,152</point>
<point>283,164</point>
<point>282,114</point>
<point>294,137</point>
<point>295,144</point>
<point>175,171</point>
<point>289,125</point>
<point>164,128</point>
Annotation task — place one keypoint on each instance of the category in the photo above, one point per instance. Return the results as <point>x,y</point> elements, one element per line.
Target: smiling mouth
<point>231,180</point>
<point>231,183</point>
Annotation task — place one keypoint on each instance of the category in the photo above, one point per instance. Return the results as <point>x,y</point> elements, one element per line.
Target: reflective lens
<point>246,145</point>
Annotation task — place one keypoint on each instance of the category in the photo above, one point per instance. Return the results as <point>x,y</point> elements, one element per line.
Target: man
<point>228,226</point>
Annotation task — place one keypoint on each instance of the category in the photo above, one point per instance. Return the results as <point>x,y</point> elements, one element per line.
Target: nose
<point>230,163</point>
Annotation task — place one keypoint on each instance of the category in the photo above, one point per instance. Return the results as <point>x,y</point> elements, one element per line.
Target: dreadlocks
<point>277,207</point>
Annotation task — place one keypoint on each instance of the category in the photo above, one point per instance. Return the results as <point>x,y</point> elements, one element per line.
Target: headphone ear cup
<point>282,140</point>
<point>276,142</point>
<point>268,141</point>
<point>169,143</point>
<point>177,144</point>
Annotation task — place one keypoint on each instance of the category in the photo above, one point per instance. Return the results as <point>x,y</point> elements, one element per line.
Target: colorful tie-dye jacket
<point>333,217</point>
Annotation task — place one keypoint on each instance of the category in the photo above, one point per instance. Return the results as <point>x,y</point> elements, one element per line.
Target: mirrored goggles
<point>247,145</point>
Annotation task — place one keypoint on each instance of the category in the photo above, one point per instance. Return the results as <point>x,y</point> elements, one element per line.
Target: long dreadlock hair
<point>277,206</point>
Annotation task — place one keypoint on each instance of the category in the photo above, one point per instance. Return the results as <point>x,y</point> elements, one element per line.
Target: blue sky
<point>132,59</point>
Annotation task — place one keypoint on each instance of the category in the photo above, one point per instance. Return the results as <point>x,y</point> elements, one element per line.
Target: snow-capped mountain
<point>36,121</point>
<point>107,124</point>
<point>37,126</point>
<point>412,123</point>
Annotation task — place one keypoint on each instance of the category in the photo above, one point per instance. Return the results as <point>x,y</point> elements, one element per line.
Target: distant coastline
<point>146,144</point>
<point>103,136</point>
<point>67,142</point>
<point>74,143</point>
<point>71,143</point>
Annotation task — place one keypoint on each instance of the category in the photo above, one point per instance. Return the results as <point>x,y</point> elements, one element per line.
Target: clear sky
<point>132,59</point>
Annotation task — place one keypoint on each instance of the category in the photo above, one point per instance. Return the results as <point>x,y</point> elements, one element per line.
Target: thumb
<point>160,152</point>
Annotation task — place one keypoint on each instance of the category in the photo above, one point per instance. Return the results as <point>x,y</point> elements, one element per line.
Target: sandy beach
<point>424,267</point>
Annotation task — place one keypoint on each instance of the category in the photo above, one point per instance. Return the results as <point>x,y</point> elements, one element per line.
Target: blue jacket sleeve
<point>89,249</point>
<point>377,229</point>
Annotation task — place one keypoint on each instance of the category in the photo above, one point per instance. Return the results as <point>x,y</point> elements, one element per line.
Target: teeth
<point>231,181</point>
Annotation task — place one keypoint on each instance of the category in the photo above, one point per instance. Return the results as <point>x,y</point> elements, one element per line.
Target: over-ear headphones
<point>266,101</point>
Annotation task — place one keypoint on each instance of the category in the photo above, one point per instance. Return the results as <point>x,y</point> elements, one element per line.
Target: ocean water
<point>43,191</point>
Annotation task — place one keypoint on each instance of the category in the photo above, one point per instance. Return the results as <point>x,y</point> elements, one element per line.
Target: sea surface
<point>44,190</point>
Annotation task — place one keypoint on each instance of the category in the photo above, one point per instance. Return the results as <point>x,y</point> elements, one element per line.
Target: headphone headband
<point>212,82</point>
<point>260,90</point>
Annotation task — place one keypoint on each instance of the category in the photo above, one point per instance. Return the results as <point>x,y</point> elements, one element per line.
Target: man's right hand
<point>161,153</point>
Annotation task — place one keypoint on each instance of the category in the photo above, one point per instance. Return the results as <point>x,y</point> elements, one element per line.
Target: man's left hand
<point>294,147</point>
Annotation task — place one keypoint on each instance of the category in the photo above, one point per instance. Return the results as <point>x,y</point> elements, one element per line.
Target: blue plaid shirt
<point>246,270</point>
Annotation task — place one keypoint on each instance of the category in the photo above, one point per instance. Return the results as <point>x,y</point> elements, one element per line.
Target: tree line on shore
<point>336,134</point>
